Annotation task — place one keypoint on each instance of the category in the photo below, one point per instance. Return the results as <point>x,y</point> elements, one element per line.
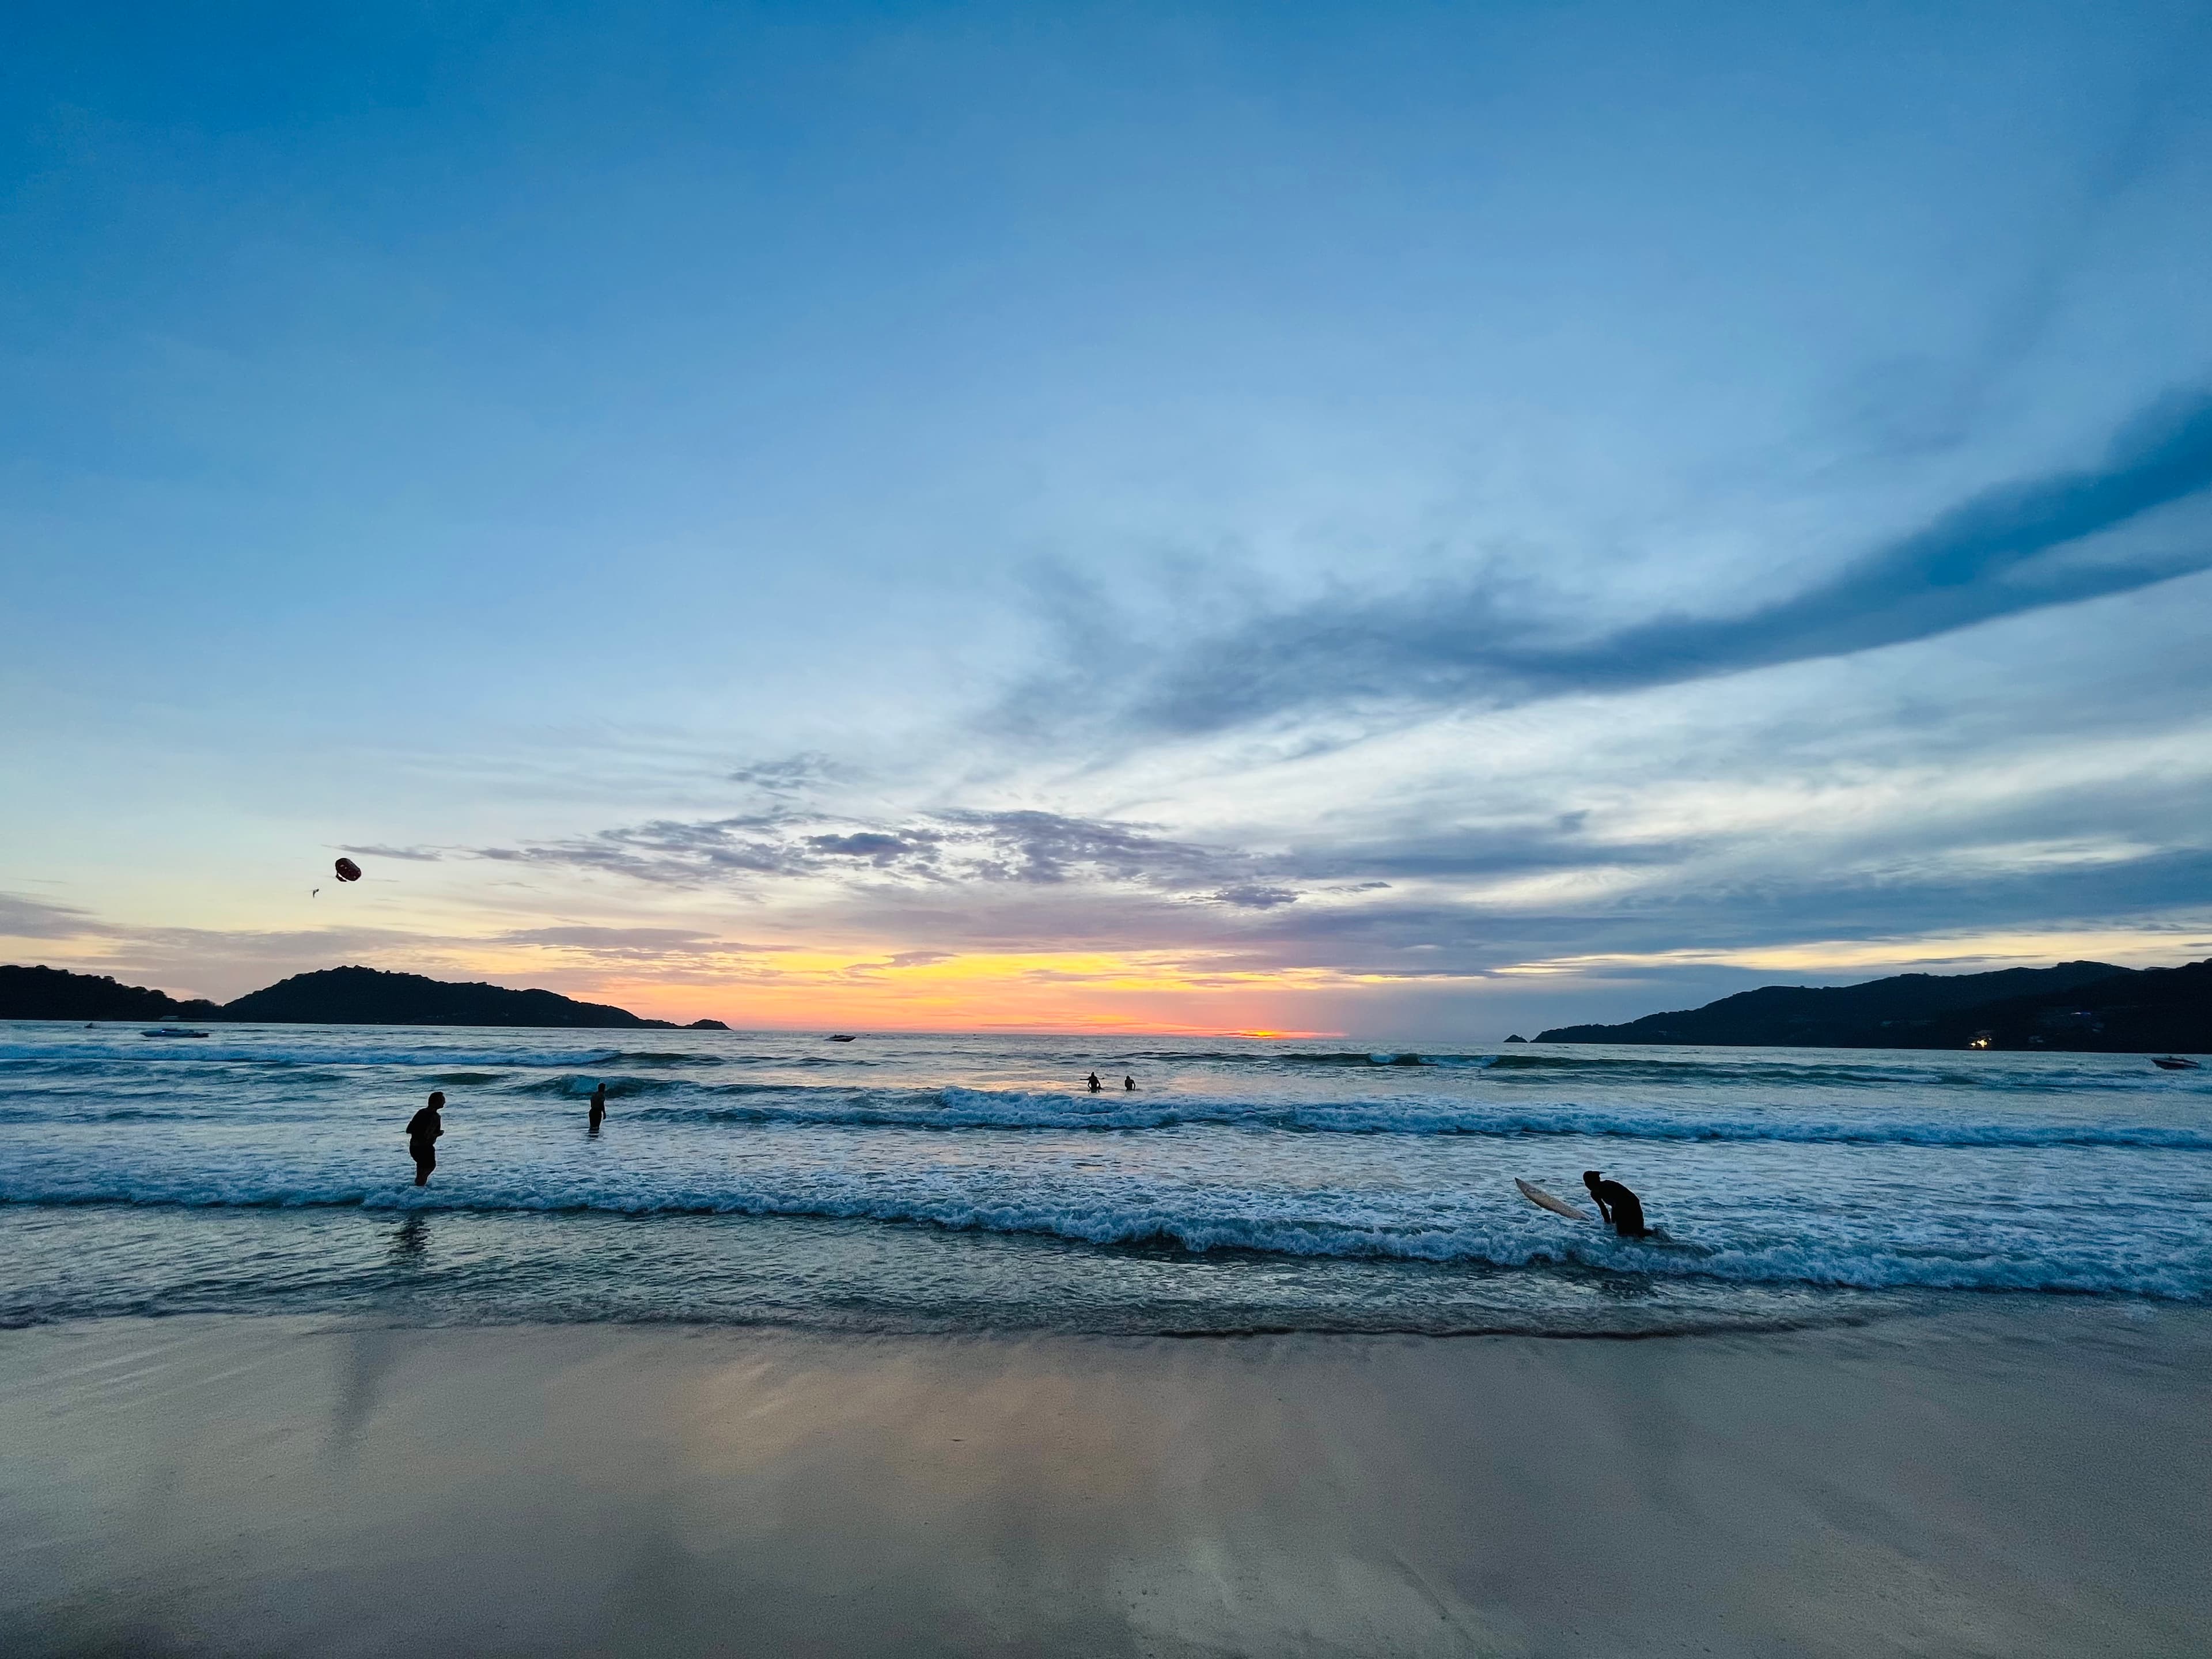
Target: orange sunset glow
<point>1162,994</point>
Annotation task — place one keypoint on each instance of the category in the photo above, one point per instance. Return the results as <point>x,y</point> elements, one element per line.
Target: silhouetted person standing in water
<point>598,1107</point>
<point>1617,1205</point>
<point>1096,1085</point>
<point>1129,1083</point>
<point>422,1132</point>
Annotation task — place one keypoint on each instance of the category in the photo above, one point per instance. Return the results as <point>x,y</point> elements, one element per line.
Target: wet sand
<point>2013,1476</point>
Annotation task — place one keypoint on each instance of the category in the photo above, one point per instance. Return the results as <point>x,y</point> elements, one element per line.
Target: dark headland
<point>336,996</point>
<point>2076,1007</point>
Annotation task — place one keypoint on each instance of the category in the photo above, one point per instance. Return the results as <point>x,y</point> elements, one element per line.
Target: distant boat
<point>841,1037</point>
<point>172,1031</point>
<point>2174,1063</point>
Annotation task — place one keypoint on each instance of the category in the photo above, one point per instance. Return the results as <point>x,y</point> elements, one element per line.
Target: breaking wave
<point>682,1101</point>
<point>975,1109</point>
<point>1877,1260</point>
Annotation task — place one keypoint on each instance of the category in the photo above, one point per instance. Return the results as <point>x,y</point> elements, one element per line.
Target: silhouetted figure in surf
<point>1130,1083</point>
<point>422,1132</point>
<point>1617,1205</point>
<point>598,1107</point>
<point>1096,1085</point>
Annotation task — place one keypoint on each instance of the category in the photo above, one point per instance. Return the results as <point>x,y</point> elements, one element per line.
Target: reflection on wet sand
<point>169,1486</point>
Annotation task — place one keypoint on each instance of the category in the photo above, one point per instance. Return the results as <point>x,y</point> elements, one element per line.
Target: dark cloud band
<point>1972,564</point>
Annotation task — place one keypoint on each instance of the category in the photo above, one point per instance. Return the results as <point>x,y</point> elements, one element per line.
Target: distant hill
<point>57,994</point>
<point>365,996</point>
<point>335,996</point>
<point>2076,1006</point>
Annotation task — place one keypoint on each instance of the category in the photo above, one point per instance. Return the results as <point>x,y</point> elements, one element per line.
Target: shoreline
<point>2005,1479</point>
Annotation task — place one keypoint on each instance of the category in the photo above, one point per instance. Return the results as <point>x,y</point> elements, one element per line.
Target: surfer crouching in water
<point>1617,1205</point>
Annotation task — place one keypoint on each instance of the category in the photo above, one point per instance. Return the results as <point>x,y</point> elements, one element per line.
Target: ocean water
<point>961,1182</point>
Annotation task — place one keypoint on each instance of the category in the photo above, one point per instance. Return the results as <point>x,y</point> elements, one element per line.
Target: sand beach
<point>1999,1475</point>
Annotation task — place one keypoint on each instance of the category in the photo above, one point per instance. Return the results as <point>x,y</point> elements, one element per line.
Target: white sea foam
<point>972,1109</point>
<point>1873,1261</point>
<point>1363,1212</point>
<point>688,1102</point>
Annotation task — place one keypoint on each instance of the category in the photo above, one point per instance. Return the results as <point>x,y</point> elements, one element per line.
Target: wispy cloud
<point>795,774</point>
<point>36,919</point>
<point>1461,645</point>
<point>876,846</point>
<point>1022,848</point>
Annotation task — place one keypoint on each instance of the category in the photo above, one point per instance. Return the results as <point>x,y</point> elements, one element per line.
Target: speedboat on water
<point>2174,1063</point>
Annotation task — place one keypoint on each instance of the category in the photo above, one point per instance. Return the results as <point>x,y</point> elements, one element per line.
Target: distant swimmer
<point>1617,1205</point>
<point>1096,1085</point>
<point>422,1132</point>
<point>598,1107</point>
<point>1130,1083</point>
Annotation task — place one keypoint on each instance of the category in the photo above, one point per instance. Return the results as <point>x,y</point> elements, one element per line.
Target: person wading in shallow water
<point>1129,1084</point>
<point>422,1132</point>
<point>598,1107</point>
<point>1617,1205</point>
<point>1095,1084</point>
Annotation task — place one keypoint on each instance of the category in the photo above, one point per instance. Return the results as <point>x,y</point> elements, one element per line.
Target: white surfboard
<point>1544,1200</point>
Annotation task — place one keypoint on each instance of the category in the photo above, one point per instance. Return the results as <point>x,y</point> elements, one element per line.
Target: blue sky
<point>1412,519</point>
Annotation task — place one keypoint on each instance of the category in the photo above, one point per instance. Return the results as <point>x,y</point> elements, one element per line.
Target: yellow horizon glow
<point>1165,992</point>
<point>1142,993</point>
<point>1135,993</point>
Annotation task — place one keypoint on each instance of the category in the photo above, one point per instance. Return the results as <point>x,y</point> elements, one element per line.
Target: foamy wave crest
<point>1770,1069</point>
<point>1956,1254</point>
<point>519,1091</point>
<point>980,1108</point>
